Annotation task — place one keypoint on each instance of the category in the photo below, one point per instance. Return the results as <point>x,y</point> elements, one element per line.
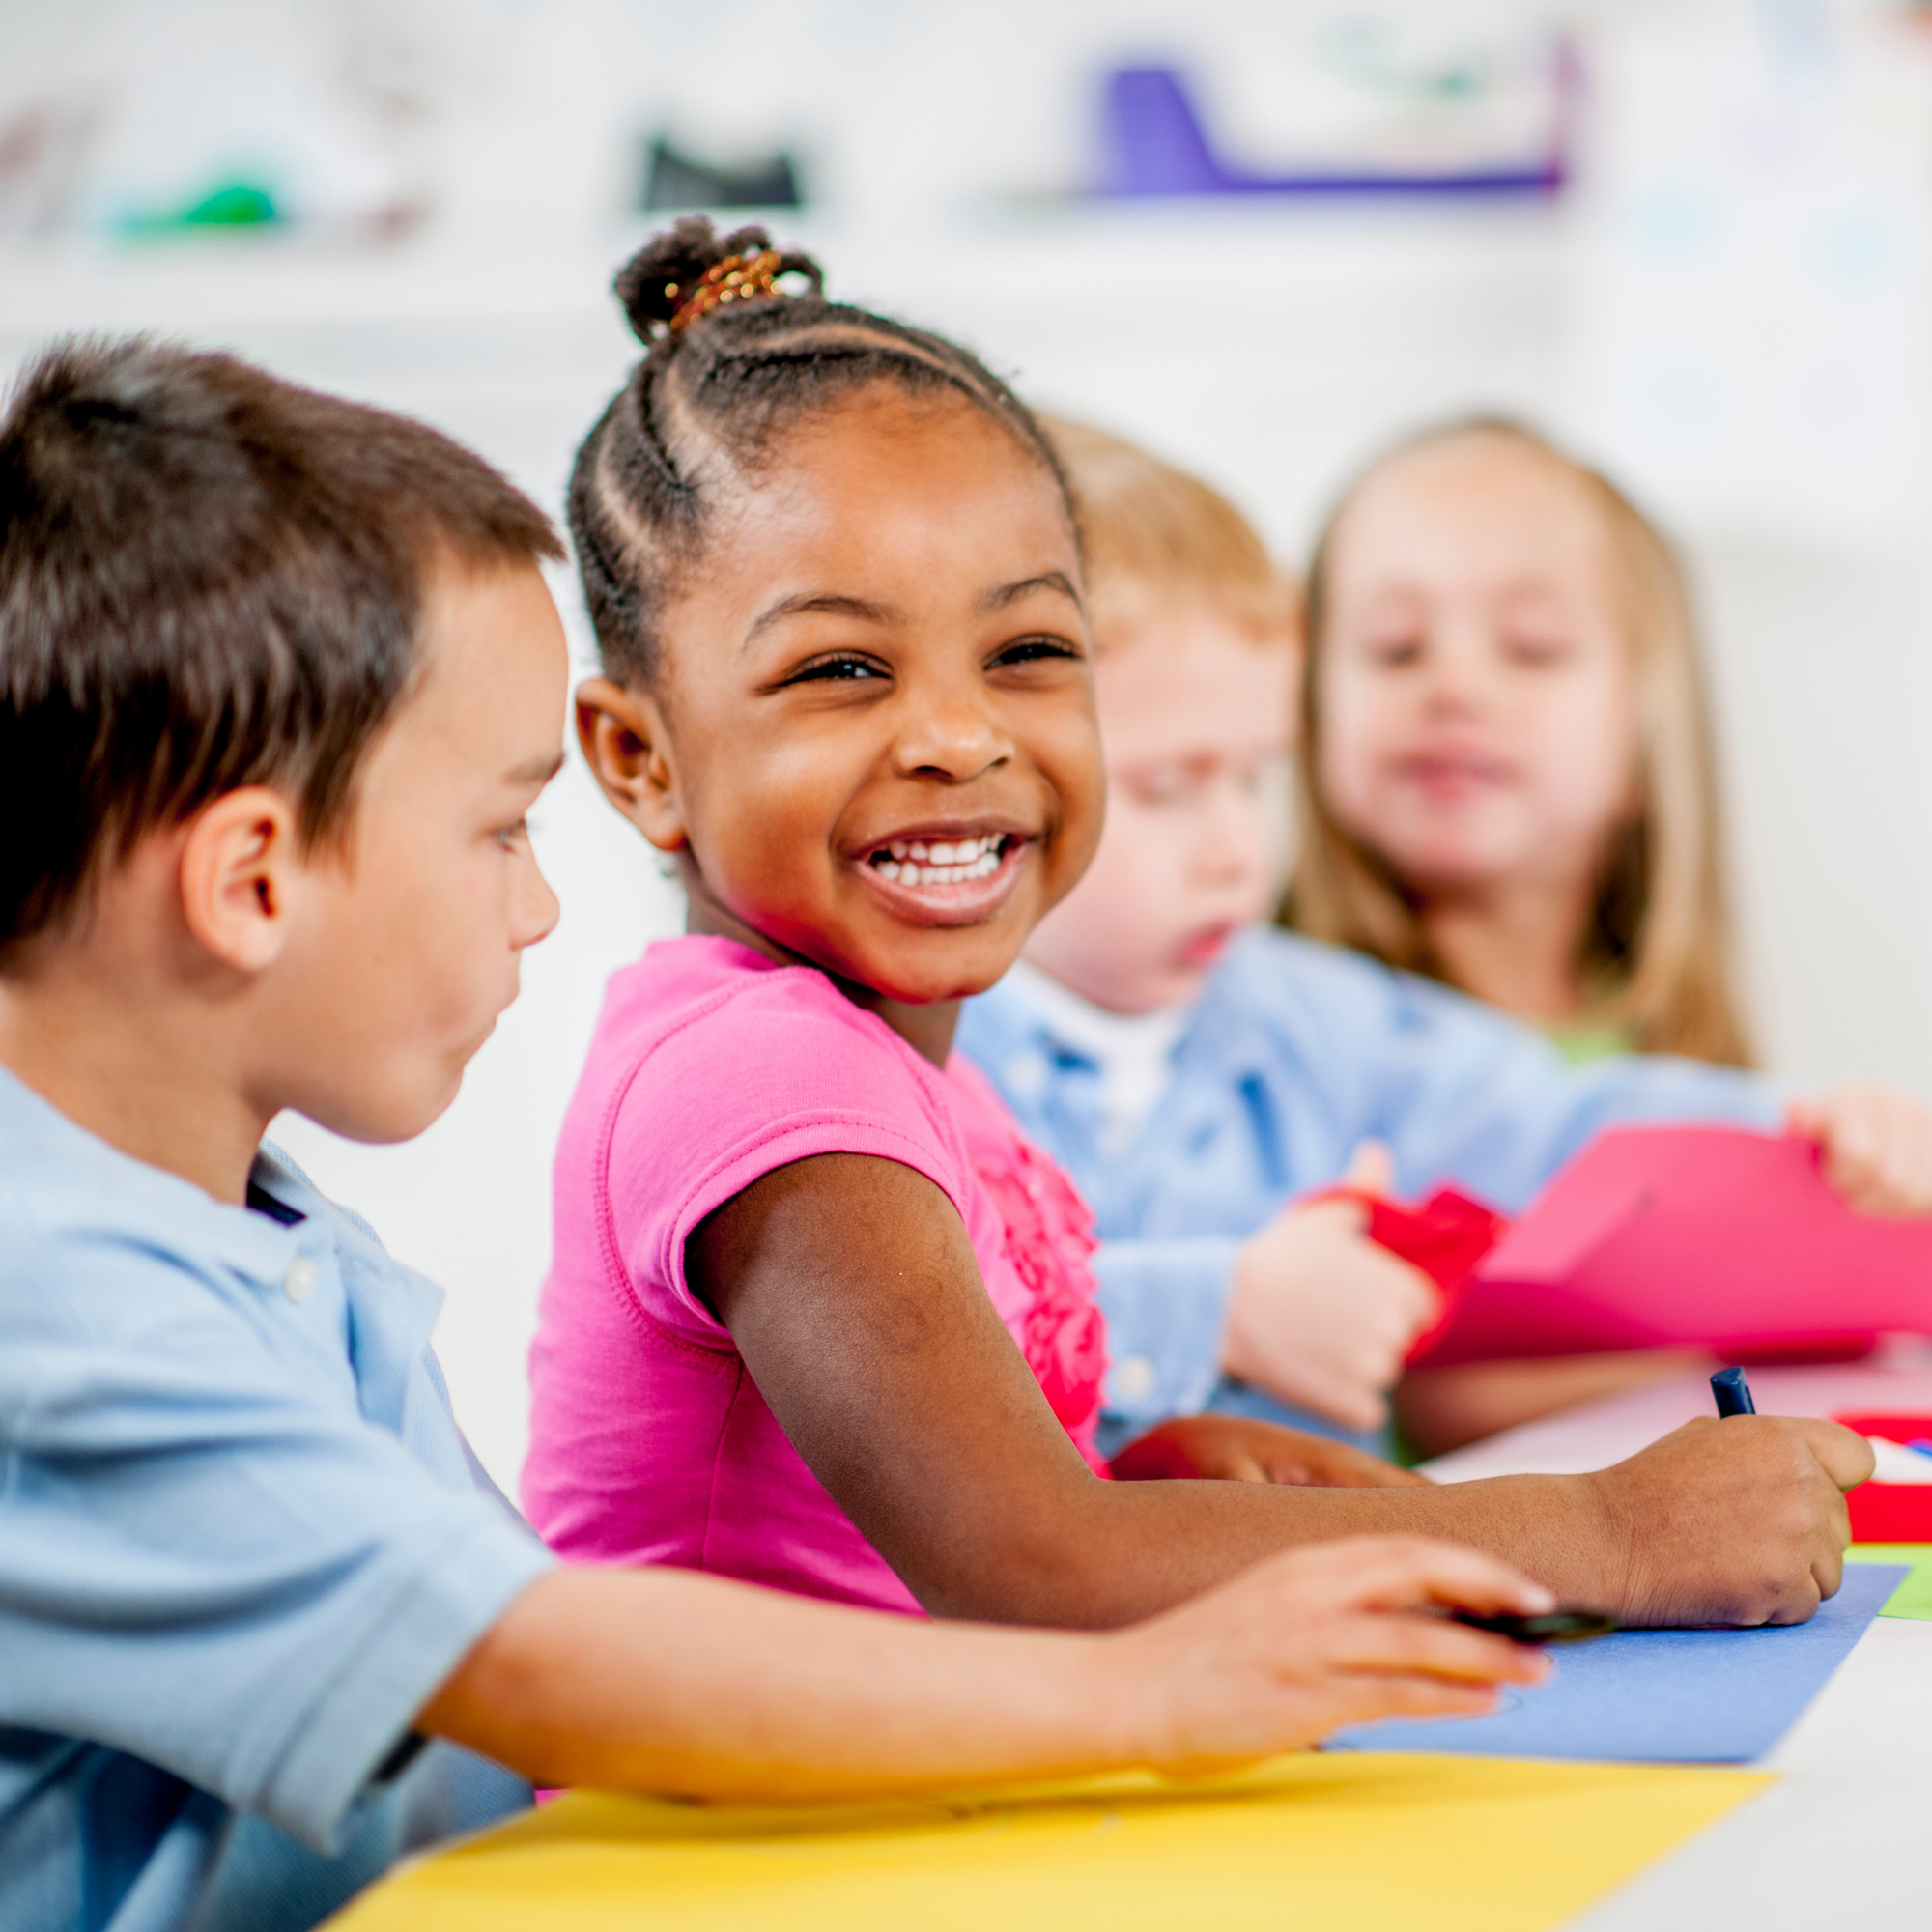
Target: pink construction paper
<point>1715,1237</point>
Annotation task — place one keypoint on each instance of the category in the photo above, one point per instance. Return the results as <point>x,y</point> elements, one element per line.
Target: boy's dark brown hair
<point>208,578</point>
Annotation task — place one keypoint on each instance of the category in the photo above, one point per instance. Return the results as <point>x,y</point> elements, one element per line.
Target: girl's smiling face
<point>872,742</point>
<point>1478,701</point>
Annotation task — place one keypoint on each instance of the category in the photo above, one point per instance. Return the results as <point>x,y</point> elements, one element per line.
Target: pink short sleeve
<point>778,1067</point>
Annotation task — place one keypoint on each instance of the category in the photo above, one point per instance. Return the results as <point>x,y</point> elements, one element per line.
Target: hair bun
<point>657,281</point>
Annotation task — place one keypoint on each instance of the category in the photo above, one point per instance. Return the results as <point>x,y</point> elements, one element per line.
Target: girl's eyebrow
<point>1012,593</point>
<point>826,606</point>
<point>810,603</point>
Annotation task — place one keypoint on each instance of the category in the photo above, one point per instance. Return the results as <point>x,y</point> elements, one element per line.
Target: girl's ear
<point>625,744</point>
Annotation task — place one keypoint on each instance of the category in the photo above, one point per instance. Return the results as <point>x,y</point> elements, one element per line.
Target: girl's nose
<point>1456,671</point>
<point>951,734</point>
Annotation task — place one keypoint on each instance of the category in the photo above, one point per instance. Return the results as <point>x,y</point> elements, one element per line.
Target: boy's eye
<point>509,836</point>
<point>835,667</point>
<point>1031,650</point>
<point>1261,778</point>
<point>1161,784</point>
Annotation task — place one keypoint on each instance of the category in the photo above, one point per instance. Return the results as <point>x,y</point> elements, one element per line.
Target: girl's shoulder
<point>704,1044</point>
<point>683,981</point>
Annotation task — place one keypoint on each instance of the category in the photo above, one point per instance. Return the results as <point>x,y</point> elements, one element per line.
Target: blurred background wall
<point>1695,238</point>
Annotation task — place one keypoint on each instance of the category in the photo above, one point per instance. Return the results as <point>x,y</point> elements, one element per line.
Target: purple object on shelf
<point>1153,144</point>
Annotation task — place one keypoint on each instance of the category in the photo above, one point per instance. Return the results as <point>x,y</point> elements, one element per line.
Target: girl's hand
<point>1877,1144</point>
<point>1243,1449</point>
<point>1332,1635</point>
<point>1320,1316</point>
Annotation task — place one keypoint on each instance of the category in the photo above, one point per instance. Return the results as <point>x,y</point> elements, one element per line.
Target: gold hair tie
<point>736,278</point>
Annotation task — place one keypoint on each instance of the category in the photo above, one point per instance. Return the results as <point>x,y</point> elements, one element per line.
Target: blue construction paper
<point>1705,1696</point>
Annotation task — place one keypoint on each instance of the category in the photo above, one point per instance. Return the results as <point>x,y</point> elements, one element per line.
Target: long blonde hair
<point>1657,954</point>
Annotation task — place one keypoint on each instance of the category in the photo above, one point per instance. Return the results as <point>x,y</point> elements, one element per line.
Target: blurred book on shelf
<point>675,179</point>
<point>1446,102</point>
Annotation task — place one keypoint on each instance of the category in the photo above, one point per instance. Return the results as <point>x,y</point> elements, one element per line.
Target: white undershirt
<point>1134,1052</point>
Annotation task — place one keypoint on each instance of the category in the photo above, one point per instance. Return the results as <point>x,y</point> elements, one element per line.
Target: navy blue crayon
<point>1733,1393</point>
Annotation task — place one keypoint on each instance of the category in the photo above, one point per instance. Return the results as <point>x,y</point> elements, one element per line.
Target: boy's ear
<point>625,744</point>
<point>238,867</point>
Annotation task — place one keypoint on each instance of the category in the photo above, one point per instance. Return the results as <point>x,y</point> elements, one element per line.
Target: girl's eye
<point>1394,653</point>
<point>1536,652</point>
<point>510,835</point>
<point>836,667</point>
<point>1031,651</point>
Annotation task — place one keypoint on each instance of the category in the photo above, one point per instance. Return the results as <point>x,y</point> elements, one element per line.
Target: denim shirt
<point>241,1541</point>
<point>1296,1052</point>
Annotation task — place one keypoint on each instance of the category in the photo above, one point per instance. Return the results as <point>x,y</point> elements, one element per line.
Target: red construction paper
<point>1446,1236</point>
<point>1712,1238</point>
<point>1890,1512</point>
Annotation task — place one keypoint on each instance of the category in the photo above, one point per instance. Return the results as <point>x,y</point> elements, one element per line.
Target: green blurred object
<point>1584,1044</point>
<point>1913,1596</point>
<point>235,204</point>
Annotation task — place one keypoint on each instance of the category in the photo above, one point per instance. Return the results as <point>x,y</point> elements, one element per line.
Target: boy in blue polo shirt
<point>279,678</point>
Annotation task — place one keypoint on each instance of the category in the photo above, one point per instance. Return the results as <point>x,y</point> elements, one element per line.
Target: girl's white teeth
<point>915,863</point>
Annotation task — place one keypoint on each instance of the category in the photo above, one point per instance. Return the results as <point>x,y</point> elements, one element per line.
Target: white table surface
<point>1845,1835</point>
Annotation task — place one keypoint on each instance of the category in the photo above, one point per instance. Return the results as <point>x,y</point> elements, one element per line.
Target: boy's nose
<point>536,909</point>
<point>1236,841</point>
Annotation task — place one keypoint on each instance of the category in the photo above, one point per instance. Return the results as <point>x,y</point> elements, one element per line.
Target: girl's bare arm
<point>852,1293</point>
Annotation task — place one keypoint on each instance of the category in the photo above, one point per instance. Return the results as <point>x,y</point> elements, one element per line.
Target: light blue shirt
<point>241,1541</point>
<point>1295,1053</point>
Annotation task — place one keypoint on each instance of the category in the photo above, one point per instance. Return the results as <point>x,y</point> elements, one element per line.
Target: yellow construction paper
<point>1352,1842</point>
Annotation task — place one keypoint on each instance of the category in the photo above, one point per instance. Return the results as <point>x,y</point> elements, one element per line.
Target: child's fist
<point>1320,1316</point>
<point>1877,1146</point>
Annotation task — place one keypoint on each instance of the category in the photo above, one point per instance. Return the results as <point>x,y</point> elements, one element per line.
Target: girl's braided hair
<point>718,386</point>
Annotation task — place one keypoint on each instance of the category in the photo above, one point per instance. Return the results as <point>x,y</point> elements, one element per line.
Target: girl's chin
<point>948,964</point>
<point>1466,859</point>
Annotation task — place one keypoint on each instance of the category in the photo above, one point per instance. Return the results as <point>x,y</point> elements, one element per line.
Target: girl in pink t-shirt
<point>818,1316</point>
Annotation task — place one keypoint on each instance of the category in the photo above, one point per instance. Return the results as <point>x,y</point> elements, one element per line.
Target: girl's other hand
<point>1321,1317</point>
<point>1243,1449</point>
<point>1877,1146</point>
<point>1332,1635</point>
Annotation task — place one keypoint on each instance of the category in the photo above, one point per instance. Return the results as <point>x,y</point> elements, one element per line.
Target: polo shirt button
<point>1028,1074</point>
<point>1132,1378</point>
<point>299,1283</point>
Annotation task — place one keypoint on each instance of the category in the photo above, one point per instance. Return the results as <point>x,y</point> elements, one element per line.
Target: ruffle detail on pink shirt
<point>1048,1235</point>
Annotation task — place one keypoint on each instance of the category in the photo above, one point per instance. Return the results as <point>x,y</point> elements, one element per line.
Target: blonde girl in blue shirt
<point>1509,781</point>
